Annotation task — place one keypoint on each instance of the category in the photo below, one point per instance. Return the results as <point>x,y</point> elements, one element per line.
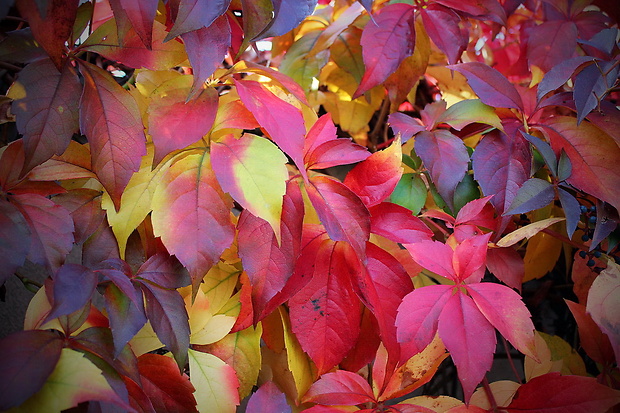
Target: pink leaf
<point>339,151</point>
<point>341,212</point>
<point>551,43</point>
<point>490,9</point>
<point>469,258</point>
<point>110,119</point>
<point>398,224</point>
<point>469,338</point>
<point>434,256</point>
<point>490,85</point>
<point>507,265</point>
<point>477,212</point>
<point>325,314</point>
<point>386,41</point>
<point>504,309</point>
<point>340,388</point>
<point>418,316</point>
<point>206,49</point>
<point>47,114</point>
<point>321,132</point>
<point>267,399</point>
<point>446,157</point>
<point>442,26</point>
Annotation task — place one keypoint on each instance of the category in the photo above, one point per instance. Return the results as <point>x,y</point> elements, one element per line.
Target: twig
<point>374,135</point>
<point>565,239</point>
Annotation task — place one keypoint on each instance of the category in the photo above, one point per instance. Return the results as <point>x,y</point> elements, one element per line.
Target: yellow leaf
<point>206,327</point>
<point>145,340</point>
<point>527,231</point>
<point>541,255</point>
<point>74,380</point>
<point>219,284</point>
<point>299,363</point>
<point>503,391</point>
<point>556,355</point>
<point>215,383</point>
<point>469,111</point>
<point>439,404</point>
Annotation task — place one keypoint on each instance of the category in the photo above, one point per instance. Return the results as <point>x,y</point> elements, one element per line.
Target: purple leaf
<point>534,194</point>
<point>405,125</point>
<point>140,13</point>
<point>442,26</point>
<point>551,43</point>
<point>559,75</point>
<point>268,398</point>
<point>572,211</point>
<point>545,150</point>
<point>606,222</point>
<point>165,271</point>
<point>15,237</point>
<point>490,85</point>
<point>287,15</point>
<point>190,15</point>
<point>74,286</point>
<point>126,314</point>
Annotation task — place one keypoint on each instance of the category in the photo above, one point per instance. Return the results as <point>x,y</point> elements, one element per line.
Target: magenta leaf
<point>442,26</point>
<point>490,85</point>
<point>206,49</point>
<point>340,388</point>
<point>190,15</point>
<point>267,399</point>
<point>477,212</point>
<point>418,316</point>
<point>405,125</point>
<point>551,43</point>
<point>386,41</point>
<point>483,9</point>
<point>47,114</point>
<point>469,258</point>
<point>534,194</point>
<point>507,265</point>
<point>435,256</point>
<point>446,157</point>
<point>398,224</point>
<point>74,286</point>
<point>321,132</point>
<point>469,338</point>
<point>15,235</point>
<point>339,151</point>
<point>27,358</point>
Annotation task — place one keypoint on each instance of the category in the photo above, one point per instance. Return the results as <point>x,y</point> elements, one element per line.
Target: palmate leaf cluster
<point>317,225</point>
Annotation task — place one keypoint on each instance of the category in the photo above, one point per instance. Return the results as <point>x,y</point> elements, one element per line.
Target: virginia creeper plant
<point>321,224</point>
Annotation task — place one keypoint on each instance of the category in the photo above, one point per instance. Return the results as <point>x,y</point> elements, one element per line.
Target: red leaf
<point>191,214</point>
<point>15,237</point>
<point>334,153</point>
<point>551,393</point>
<point>442,26</point>
<point>591,338</point>
<point>386,41</point>
<point>165,310</point>
<point>51,228</point>
<point>593,155</point>
<point>434,256</point>
<point>110,119</point>
<point>283,122</point>
<point>418,317</point>
<point>469,258</point>
<point>27,358</point>
<point>374,179</point>
<point>167,389</point>
<point>190,15</point>
<point>341,212</point>
<point>139,14</point>
<point>325,314</point>
<point>74,286</point>
<point>469,338</point>
<point>52,26</point>
<point>507,265</point>
<point>491,9</point>
<point>398,224</point>
<point>446,157</point>
<point>270,264</point>
<point>47,112</point>
<point>267,399</point>
<point>501,164</point>
<point>551,43</point>
<point>321,132</point>
<point>206,49</point>
<point>490,85</point>
<point>405,125</point>
<point>477,212</point>
<point>504,309</point>
<point>340,388</point>
<point>175,123</point>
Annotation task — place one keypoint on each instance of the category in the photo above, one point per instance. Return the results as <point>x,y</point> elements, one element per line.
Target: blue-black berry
<point>590,263</point>
<point>592,219</point>
<point>592,208</point>
<point>583,209</point>
<point>585,237</point>
<point>582,254</point>
<point>597,254</point>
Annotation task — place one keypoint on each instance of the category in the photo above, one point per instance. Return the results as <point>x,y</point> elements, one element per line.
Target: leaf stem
<point>490,396</point>
<point>374,135</point>
<point>510,361</point>
<point>565,239</point>
<point>31,285</point>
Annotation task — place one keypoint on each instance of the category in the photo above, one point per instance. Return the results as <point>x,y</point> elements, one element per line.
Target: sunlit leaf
<point>603,304</point>
<point>215,383</point>
<point>527,231</point>
<point>340,388</point>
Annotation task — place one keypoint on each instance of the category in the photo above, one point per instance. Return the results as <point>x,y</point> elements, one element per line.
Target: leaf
<point>287,15</point>
<point>571,394</point>
<point>325,314</point>
<point>442,26</point>
<point>490,85</point>
<point>469,111</point>
<point>592,154</point>
<point>74,380</point>
<point>192,15</point>
<point>206,49</point>
<point>268,398</point>
<point>191,215</point>
<point>418,317</point>
<point>603,304</point>
<point>215,383</point>
<point>52,27</point>
<point>545,150</point>
<point>340,388</point>
<point>270,264</point>
<point>133,53</point>
<point>84,205</point>
<point>15,235</point>
<point>469,338</point>
<point>526,232</point>
<point>46,109</point>
<point>542,253</point>
<point>74,163</point>
<point>51,229</point>
<point>341,212</point>
<point>335,152</point>
<point>175,122</point>
<point>551,43</point>
<point>386,41</point>
<point>410,193</point>
<point>253,171</point>
<point>74,286</point>
<point>595,343</point>
<point>126,314</point>
<point>165,386</point>
<point>446,157</point>
<point>559,74</point>
<point>489,9</point>
<point>571,208</point>
<point>139,14</point>
<point>337,28</point>
<point>110,118</point>
<point>398,224</point>
<point>283,122</point>
<point>405,125</point>
<point>434,256</point>
<point>469,258</point>
<point>507,265</point>
<point>534,194</point>
<point>300,65</point>
<point>28,358</point>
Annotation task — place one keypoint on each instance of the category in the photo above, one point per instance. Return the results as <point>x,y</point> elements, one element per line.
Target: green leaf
<point>410,192</point>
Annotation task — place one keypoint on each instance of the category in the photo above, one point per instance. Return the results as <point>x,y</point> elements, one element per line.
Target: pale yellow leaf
<point>215,383</point>
<point>527,231</point>
<point>503,391</point>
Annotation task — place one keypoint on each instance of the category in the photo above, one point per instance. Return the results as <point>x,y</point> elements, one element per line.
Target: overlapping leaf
<point>192,15</point>
<point>215,383</point>
<point>137,14</point>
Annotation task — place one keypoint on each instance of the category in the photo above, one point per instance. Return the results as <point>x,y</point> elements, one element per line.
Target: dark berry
<point>590,263</point>
<point>585,237</point>
<point>597,254</point>
<point>592,219</point>
<point>583,209</point>
<point>582,254</point>
<point>592,208</point>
